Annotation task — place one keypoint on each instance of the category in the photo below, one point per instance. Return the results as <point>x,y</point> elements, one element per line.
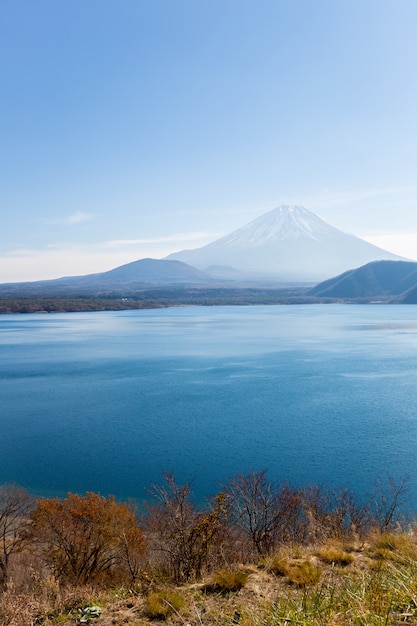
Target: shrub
<point>15,504</point>
<point>186,536</point>
<point>84,538</point>
<point>267,514</point>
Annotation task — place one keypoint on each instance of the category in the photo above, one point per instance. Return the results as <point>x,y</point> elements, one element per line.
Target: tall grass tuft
<point>334,556</point>
<point>161,604</point>
<point>230,579</point>
<point>393,547</point>
<point>303,573</point>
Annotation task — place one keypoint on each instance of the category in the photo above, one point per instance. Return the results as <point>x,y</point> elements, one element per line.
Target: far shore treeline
<point>161,299</point>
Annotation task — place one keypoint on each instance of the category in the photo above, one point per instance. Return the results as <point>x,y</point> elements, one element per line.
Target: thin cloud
<point>79,217</point>
<point>179,238</point>
<point>196,238</point>
<point>73,259</point>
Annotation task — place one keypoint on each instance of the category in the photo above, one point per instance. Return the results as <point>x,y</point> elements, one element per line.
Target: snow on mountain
<point>285,222</point>
<point>289,243</point>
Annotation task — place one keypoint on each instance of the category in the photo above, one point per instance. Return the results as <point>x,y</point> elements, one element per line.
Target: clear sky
<point>135,128</point>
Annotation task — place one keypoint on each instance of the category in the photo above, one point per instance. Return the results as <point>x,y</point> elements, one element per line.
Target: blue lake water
<point>108,401</point>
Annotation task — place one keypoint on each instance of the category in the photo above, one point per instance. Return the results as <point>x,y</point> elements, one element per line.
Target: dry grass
<point>305,586</point>
<point>276,564</point>
<point>230,579</point>
<point>48,604</point>
<point>161,604</point>
<point>334,555</point>
<point>394,547</point>
<point>303,573</point>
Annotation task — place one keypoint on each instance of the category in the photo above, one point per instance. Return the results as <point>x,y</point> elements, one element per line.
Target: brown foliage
<point>84,538</point>
<point>15,503</point>
<point>184,535</point>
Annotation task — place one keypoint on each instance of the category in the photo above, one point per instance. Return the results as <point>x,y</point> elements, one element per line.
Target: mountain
<point>144,273</point>
<point>377,280</point>
<point>288,247</point>
<point>289,243</point>
<point>410,297</point>
<point>152,271</point>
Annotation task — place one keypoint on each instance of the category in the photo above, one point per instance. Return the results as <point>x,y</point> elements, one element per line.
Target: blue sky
<point>135,128</point>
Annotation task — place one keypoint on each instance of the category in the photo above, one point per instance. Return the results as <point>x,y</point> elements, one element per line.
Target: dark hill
<point>153,271</point>
<point>379,279</point>
<point>410,297</point>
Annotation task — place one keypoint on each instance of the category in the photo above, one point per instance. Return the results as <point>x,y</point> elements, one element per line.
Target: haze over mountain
<point>289,243</point>
<point>286,247</point>
<point>377,280</point>
<point>145,273</point>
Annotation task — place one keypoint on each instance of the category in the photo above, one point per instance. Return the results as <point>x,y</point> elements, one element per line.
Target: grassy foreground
<point>257,554</point>
<point>332,583</point>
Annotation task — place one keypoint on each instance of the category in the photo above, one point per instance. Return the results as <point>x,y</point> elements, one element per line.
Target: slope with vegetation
<point>257,554</point>
<point>387,280</point>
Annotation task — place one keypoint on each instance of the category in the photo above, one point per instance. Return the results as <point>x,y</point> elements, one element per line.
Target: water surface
<point>108,401</point>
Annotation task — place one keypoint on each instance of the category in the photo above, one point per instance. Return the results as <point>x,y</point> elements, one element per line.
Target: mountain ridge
<point>388,280</point>
<point>287,247</point>
<point>143,273</point>
<point>290,243</point>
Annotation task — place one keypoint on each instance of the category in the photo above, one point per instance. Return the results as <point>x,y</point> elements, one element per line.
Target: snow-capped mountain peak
<point>284,222</point>
<point>290,243</point>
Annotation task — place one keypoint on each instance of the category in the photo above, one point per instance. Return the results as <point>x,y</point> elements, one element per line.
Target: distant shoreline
<point>164,299</point>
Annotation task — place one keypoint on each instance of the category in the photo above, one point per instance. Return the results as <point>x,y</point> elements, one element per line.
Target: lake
<point>108,401</point>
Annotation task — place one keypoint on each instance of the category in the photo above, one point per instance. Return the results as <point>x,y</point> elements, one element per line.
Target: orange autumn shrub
<point>86,538</point>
